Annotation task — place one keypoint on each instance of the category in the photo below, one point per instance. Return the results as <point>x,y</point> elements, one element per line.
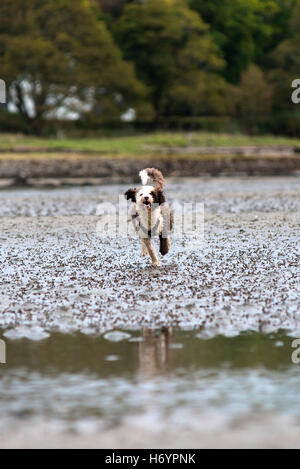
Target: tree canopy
<point>244,29</point>
<point>159,59</point>
<point>171,48</point>
<point>58,53</point>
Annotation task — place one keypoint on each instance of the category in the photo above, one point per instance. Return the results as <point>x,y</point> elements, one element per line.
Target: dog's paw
<point>144,251</point>
<point>156,264</point>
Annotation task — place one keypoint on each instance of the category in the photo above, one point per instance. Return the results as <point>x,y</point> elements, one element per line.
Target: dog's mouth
<point>147,203</point>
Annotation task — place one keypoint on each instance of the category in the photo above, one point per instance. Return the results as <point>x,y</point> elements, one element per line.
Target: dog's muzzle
<point>147,202</point>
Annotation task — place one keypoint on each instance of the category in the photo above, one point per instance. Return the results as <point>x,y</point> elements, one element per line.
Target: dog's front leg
<point>144,249</point>
<point>152,252</point>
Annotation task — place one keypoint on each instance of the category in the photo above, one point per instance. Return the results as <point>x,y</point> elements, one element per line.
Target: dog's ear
<point>131,194</point>
<point>158,196</point>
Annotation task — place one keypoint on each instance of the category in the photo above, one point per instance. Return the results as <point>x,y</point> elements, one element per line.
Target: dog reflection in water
<point>154,353</point>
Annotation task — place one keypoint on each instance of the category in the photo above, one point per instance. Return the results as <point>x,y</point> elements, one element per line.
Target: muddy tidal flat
<point>201,345</point>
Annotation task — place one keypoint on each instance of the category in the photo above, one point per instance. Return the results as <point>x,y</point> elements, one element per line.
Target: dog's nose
<point>146,197</point>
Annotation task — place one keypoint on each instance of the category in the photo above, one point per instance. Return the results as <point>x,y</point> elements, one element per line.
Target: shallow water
<point>104,350</point>
<point>75,376</point>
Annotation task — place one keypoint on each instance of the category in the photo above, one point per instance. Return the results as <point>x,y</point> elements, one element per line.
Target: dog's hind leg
<point>152,252</point>
<point>164,245</point>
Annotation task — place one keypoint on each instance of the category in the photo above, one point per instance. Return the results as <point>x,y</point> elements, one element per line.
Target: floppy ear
<point>158,196</point>
<point>130,194</point>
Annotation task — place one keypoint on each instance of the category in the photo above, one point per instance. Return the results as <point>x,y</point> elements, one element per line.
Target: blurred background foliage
<point>221,65</point>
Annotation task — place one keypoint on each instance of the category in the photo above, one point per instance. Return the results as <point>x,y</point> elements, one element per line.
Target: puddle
<point>73,377</point>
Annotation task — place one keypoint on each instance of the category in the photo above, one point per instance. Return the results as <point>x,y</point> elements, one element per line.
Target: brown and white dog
<point>150,214</point>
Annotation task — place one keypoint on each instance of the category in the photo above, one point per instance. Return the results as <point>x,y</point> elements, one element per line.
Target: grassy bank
<point>132,146</point>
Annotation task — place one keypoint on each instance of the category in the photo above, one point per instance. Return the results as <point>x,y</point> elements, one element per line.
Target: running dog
<point>150,214</point>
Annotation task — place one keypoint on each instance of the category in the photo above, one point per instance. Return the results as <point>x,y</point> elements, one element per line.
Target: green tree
<point>199,93</point>
<point>112,7</point>
<point>253,98</point>
<point>283,68</point>
<point>245,30</point>
<point>58,54</point>
<point>171,48</point>
<point>284,64</point>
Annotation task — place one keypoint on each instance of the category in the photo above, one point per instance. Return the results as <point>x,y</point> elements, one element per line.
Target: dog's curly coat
<point>151,214</point>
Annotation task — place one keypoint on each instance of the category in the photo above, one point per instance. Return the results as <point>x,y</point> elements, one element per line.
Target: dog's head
<point>146,197</point>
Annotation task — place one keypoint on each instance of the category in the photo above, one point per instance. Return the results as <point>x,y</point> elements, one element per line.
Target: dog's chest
<point>149,222</point>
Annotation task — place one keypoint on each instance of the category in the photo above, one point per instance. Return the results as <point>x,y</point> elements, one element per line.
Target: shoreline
<point>57,172</point>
